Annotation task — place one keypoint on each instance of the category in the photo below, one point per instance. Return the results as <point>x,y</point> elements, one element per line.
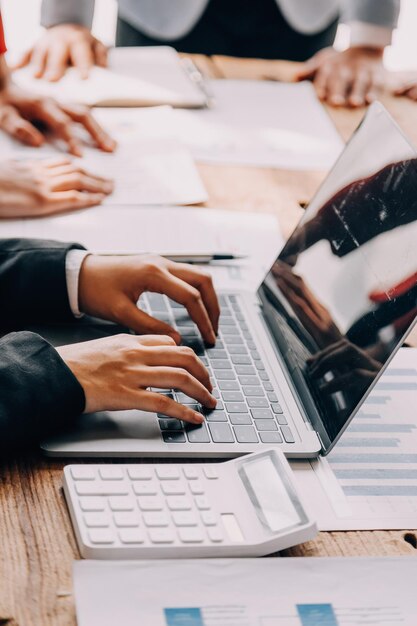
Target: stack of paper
<point>136,77</point>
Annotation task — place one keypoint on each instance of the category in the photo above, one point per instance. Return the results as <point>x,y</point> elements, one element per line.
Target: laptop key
<point>221,433</point>
<point>272,397</point>
<point>270,437</point>
<point>230,330</point>
<point>237,350</point>
<point>232,340</point>
<point>232,396</point>
<point>236,407</point>
<point>268,387</point>
<point>276,408</point>
<point>198,434</point>
<point>241,359</point>
<point>173,437</point>
<point>266,425</point>
<point>222,364</point>
<point>246,434</point>
<point>258,403</point>
<point>224,374</point>
<point>259,365</point>
<point>253,391</point>
<point>281,419</point>
<point>229,385</point>
<point>249,380</point>
<point>170,424</point>
<point>263,375</point>
<point>240,418</point>
<point>288,436</point>
<point>184,399</point>
<point>216,416</point>
<point>265,414</point>
<point>245,369</point>
<point>213,353</point>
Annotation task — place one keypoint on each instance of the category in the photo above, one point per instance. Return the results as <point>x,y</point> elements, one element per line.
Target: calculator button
<point>155,519</point>
<point>197,488</point>
<point>190,472</point>
<point>266,425</point>
<point>221,433</point>
<point>246,434</point>
<point>167,473</point>
<point>92,503</point>
<point>202,503</point>
<point>215,534</point>
<point>191,535</point>
<point>174,488</point>
<point>145,489</point>
<point>83,472</point>
<point>108,488</point>
<point>131,535</point>
<point>173,437</point>
<point>210,472</point>
<point>101,535</point>
<point>240,418</point>
<point>140,472</point>
<point>270,437</point>
<point>121,503</point>
<point>198,434</point>
<point>209,518</point>
<point>111,473</point>
<point>178,504</point>
<point>161,535</point>
<point>96,520</point>
<point>150,503</point>
<point>288,436</point>
<point>126,519</point>
<point>184,519</point>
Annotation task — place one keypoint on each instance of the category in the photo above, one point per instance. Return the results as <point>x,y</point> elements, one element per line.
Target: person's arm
<point>354,77</point>
<point>33,286</point>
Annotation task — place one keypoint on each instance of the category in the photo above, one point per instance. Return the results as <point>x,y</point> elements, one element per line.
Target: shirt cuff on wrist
<point>371,35</point>
<point>73,263</point>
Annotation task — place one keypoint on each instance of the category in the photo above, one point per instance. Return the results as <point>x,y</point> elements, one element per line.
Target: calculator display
<point>271,494</point>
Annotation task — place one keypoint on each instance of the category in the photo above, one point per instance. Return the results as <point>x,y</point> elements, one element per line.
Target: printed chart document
<point>261,124</point>
<point>137,76</point>
<point>168,230</point>
<point>150,166</point>
<point>247,592</point>
<point>369,480</point>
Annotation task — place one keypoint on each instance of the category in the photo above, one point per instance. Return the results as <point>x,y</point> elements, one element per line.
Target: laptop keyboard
<point>248,405</point>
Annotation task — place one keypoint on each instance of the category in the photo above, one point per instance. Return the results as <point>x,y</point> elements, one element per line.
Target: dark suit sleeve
<point>33,286</point>
<point>39,395</point>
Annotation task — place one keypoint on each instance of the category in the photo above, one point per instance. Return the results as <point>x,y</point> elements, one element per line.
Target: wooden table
<point>36,538</point>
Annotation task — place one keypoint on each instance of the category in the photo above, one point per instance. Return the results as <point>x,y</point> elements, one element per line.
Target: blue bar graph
<point>317,615</point>
<point>183,617</point>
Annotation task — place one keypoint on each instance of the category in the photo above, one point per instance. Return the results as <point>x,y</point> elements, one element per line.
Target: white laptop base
<point>242,508</point>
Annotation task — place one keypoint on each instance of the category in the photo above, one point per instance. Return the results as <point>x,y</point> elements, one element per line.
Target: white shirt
<point>73,263</point>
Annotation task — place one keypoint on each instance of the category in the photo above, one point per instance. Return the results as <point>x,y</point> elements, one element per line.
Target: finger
<point>204,284</point>
<point>375,88</point>
<point>359,90</point>
<point>82,57</point>
<point>338,85</point>
<point>157,340</point>
<point>174,378</point>
<point>52,114</point>
<point>161,404</point>
<point>182,357</point>
<point>57,62</point>
<point>38,60</point>
<point>82,116</point>
<point>128,314</point>
<point>188,296</point>
<point>56,163</point>
<point>22,130</point>
<point>412,93</point>
<point>341,355</point>
<point>24,60</point>
<point>60,201</point>
<point>101,54</point>
<point>80,182</point>
<point>321,82</point>
<point>309,69</point>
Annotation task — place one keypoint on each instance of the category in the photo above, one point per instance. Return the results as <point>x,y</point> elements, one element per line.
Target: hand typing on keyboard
<point>116,373</point>
<point>110,287</point>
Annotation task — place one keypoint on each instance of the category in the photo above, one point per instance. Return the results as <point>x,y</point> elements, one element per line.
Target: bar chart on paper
<point>369,481</point>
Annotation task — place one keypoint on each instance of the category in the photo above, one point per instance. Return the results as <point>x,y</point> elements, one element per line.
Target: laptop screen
<point>343,292</point>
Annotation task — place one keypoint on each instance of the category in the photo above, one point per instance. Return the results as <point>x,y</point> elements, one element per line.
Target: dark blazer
<point>38,392</point>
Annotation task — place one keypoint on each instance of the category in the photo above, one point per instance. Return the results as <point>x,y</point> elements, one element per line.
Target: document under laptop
<point>295,361</point>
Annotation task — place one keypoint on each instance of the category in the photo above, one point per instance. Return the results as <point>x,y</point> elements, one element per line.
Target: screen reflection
<point>343,291</point>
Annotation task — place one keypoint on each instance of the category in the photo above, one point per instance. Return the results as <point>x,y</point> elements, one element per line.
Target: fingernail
<point>337,100</point>
<point>108,187</point>
<point>213,401</point>
<point>198,418</point>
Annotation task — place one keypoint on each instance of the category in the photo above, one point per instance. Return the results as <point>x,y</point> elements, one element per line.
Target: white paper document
<point>261,124</point>
<point>168,230</point>
<point>149,166</point>
<point>369,480</point>
<point>247,592</point>
<point>137,76</point>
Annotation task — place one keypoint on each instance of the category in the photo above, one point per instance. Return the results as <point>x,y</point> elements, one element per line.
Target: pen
<point>203,259</point>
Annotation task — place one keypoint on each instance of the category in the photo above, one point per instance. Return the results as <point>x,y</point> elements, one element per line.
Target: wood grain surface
<point>37,545</point>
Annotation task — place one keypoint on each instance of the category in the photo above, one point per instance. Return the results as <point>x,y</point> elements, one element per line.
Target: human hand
<point>46,187</point>
<point>117,372</point>
<point>61,46</point>
<point>352,78</point>
<point>22,112</point>
<point>110,286</point>
<point>407,89</point>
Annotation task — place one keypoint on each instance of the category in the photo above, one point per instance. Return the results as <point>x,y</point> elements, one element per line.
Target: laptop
<point>295,361</point>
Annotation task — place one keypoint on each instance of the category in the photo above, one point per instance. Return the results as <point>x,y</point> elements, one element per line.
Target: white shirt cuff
<point>365,34</point>
<point>73,263</point>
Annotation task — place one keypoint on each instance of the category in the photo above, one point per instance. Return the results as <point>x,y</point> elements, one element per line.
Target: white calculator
<point>240,508</point>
